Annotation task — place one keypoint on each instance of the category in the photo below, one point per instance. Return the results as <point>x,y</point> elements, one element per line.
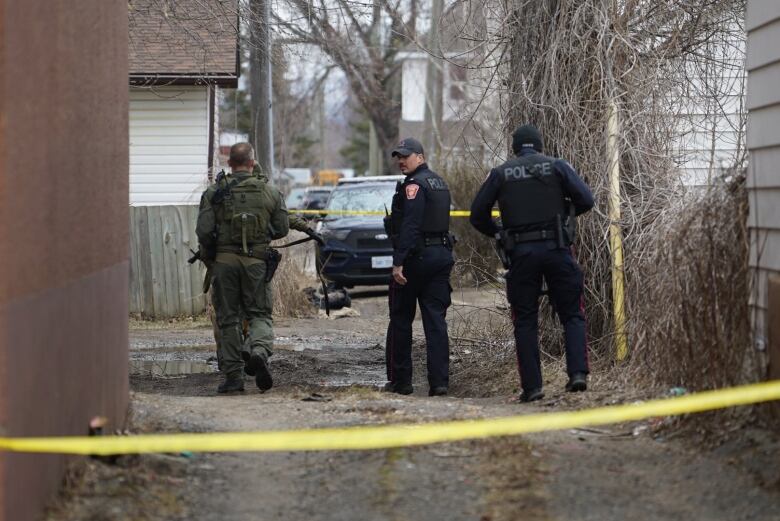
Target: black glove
<point>316,236</point>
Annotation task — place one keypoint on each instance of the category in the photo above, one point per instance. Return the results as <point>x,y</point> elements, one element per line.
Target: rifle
<point>196,256</point>
<point>222,192</point>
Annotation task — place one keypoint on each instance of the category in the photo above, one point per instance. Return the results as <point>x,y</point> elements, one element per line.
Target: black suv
<point>357,251</point>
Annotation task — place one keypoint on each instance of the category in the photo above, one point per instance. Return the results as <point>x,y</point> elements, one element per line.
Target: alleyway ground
<point>327,373</point>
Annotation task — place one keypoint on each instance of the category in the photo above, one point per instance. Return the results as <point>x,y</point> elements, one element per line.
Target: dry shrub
<point>691,325</point>
<point>482,345</point>
<point>295,272</point>
<point>475,256</point>
<point>635,56</point>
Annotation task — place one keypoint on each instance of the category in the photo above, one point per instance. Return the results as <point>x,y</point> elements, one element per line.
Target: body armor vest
<point>243,214</point>
<point>436,219</point>
<point>531,195</point>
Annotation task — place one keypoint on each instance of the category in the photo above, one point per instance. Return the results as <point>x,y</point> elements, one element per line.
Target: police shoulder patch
<point>411,190</point>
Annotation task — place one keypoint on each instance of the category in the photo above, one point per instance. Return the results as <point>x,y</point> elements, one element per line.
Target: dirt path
<point>327,373</point>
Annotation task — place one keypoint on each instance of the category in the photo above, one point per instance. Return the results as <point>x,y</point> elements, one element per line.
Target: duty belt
<point>538,235</point>
<point>261,253</point>
<point>438,239</point>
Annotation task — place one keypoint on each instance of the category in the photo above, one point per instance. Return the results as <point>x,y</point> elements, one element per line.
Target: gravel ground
<point>328,373</point>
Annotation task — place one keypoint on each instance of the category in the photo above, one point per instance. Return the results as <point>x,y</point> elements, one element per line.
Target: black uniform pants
<point>428,282</point>
<point>530,262</point>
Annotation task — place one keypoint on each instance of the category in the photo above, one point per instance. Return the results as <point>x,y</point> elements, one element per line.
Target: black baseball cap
<point>407,147</point>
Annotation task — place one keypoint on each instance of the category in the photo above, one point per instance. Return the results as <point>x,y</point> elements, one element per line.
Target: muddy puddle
<point>376,381</point>
<point>170,367</point>
<point>315,344</point>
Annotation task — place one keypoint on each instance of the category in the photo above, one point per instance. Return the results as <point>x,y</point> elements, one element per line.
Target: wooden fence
<point>162,283</point>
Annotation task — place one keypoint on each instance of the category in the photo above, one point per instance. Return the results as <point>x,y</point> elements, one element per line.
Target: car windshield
<point>319,196</point>
<point>295,198</point>
<point>374,198</point>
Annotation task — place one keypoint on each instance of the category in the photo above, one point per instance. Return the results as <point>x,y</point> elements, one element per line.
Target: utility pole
<point>615,232</point>
<point>260,84</point>
<point>433,86</point>
<point>375,161</point>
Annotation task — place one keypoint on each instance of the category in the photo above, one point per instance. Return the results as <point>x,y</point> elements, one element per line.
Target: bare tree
<point>363,41</point>
<point>658,63</point>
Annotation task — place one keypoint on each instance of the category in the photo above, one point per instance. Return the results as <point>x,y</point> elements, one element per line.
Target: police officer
<point>533,192</point>
<point>238,217</point>
<point>296,223</point>
<point>422,262</point>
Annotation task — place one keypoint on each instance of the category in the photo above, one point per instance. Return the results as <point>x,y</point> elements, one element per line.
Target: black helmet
<point>526,136</point>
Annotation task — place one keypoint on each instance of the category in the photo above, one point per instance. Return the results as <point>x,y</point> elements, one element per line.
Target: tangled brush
<point>692,325</point>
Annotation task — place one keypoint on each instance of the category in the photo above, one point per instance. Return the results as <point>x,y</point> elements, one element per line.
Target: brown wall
<point>63,231</point>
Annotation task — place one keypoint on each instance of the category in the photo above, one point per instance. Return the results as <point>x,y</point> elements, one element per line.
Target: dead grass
<point>685,258</point>
<point>476,261</point>
<point>691,326</point>
<point>295,273</point>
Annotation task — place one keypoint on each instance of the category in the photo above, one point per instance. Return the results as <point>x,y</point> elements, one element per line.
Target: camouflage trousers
<point>239,293</point>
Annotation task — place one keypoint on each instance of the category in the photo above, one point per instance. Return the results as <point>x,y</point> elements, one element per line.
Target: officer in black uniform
<point>537,195</point>
<point>422,262</point>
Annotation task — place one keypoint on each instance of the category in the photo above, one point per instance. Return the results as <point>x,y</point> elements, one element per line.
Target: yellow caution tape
<point>453,213</point>
<point>389,436</point>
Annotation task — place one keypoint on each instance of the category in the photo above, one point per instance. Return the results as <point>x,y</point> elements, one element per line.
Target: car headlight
<point>339,235</point>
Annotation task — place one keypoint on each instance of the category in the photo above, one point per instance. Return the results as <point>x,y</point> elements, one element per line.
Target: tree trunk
<point>434,83</point>
<point>260,85</point>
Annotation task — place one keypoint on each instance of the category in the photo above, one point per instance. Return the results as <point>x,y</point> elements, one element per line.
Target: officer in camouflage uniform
<point>239,216</point>
<point>296,223</point>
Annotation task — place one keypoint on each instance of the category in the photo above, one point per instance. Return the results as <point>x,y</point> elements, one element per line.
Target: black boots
<point>531,395</point>
<point>578,382</point>
<point>437,391</point>
<point>263,378</point>
<point>398,388</point>
<point>233,383</point>
<point>255,365</point>
<point>249,366</point>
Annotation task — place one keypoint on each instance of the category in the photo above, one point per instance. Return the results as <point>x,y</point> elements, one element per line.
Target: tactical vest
<point>243,214</point>
<point>531,195</point>
<point>436,218</point>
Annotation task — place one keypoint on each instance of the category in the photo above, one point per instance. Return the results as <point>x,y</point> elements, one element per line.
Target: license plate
<point>382,262</point>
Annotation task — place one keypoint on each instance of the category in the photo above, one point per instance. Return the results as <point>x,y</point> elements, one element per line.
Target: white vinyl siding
<point>413,76</point>
<point>711,129</point>
<point>169,144</point>
<point>413,80</point>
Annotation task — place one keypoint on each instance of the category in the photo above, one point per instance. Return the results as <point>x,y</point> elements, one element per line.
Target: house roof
<point>183,41</point>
